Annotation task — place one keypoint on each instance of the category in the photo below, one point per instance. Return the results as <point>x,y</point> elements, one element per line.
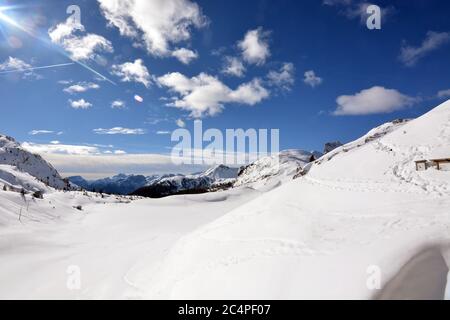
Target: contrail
<point>15,24</point>
<point>38,68</point>
<point>92,70</point>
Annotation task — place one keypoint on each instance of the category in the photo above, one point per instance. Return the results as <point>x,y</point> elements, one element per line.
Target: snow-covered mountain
<point>217,177</point>
<point>264,174</point>
<point>120,184</point>
<point>160,185</point>
<point>12,154</point>
<point>220,173</point>
<point>271,171</point>
<point>360,213</point>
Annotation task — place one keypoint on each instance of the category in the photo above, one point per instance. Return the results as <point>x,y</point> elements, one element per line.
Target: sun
<point>8,18</point>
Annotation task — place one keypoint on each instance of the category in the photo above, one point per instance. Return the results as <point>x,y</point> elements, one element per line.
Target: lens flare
<point>12,22</point>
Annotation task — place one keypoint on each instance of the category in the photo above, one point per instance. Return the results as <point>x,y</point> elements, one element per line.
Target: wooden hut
<point>439,164</point>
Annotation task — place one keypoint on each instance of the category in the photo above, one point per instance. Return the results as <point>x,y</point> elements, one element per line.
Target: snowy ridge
<point>220,173</point>
<point>11,153</point>
<point>271,171</point>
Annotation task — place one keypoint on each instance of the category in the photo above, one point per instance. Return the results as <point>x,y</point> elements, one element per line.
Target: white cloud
<point>205,95</point>
<point>81,87</point>
<point>54,148</point>
<point>118,104</point>
<point>102,164</point>
<point>94,162</point>
<point>36,132</point>
<point>180,123</point>
<point>249,93</point>
<point>154,24</point>
<point>312,79</point>
<point>87,47</point>
<point>132,72</point>
<point>234,67</point>
<point>55,142</point>
<point>444,93</point>
<point>80,47</point>
<point>163,132</point>
<point>16,64</point>
<point>120,130</point>
<point>373,101</point>
<point>184,55</point>
<point>80,104</point>
<point>66,29</point>
<point>283,78</point>
<point>410,55</point>
<point>255,46</point>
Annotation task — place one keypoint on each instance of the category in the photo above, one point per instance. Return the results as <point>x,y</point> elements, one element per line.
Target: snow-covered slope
<point>106,241</point>
<point>271,171</point>
<point>13,179</point>
<point>11,153</point>
<point>220,173</point>
<point>361,215</point>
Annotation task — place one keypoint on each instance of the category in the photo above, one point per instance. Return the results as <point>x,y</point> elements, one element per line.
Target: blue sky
<point>295,64</point>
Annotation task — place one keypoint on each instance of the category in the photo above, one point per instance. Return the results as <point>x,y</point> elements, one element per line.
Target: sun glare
<point>11,21</point>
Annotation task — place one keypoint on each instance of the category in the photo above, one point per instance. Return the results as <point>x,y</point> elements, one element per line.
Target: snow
<point>270,172</point>
<point>362,205</point>
<point>360,209</point>
<point>123,184</point>
<point>107,241</point>
<point>17,180</point>
<point>214,175</point>
<point>11,153</point>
